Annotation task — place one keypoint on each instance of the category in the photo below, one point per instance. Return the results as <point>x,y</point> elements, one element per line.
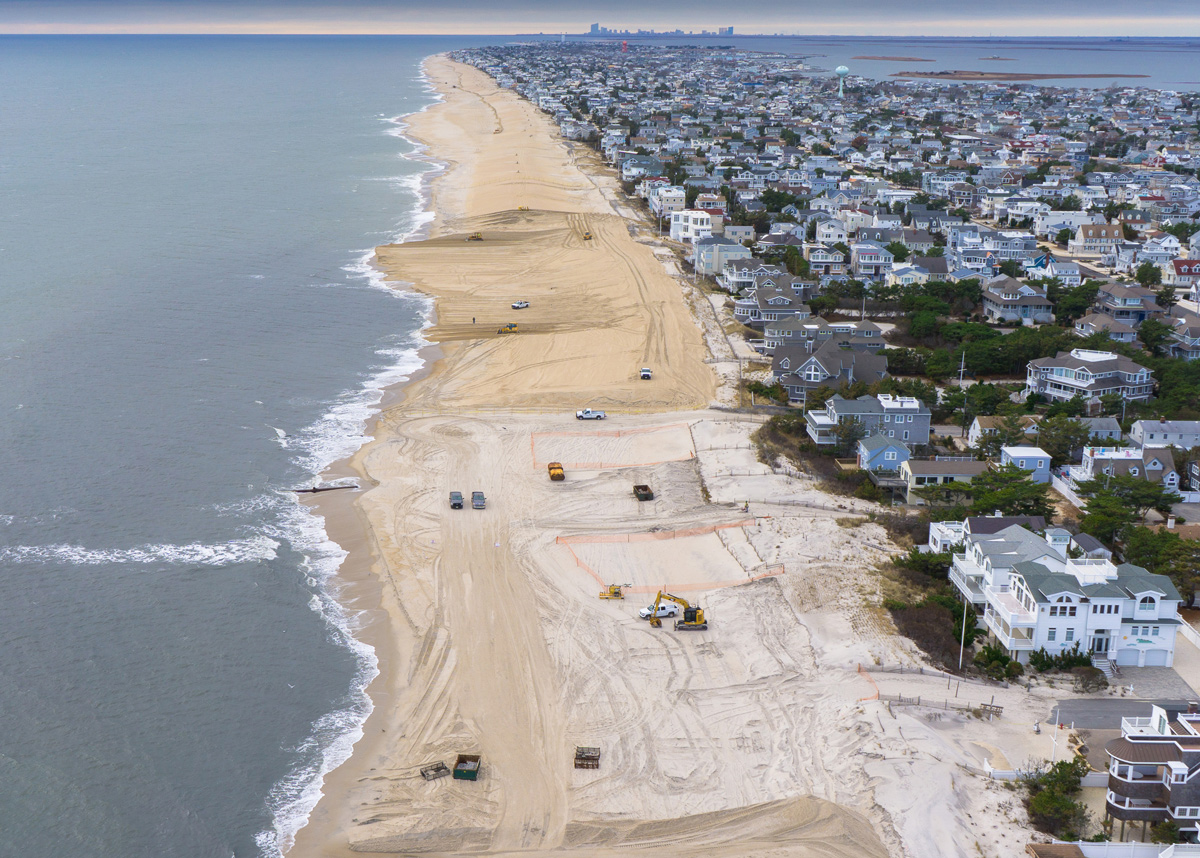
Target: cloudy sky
<point>863,17</point>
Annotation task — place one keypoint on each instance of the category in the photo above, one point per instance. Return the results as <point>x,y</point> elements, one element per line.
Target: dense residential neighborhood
<point>976,305</point>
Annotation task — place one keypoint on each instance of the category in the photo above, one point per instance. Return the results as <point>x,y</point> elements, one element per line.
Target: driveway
<point>1107,714</point>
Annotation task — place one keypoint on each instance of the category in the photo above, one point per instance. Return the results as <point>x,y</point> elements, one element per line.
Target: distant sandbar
<point>956,74</point>
<point>897,59</point>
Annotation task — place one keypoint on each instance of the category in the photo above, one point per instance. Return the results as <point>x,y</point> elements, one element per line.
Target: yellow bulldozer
<point>556,472</point>
<point>613,591</point>
<point>587,236</point>
<point>475,236</point>
<point>693,617</point>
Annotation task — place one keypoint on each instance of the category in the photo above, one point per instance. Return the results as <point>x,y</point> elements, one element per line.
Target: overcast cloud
<point>861,17</point>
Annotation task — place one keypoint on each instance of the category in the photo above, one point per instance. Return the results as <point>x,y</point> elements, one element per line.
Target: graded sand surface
<point>761,735</point>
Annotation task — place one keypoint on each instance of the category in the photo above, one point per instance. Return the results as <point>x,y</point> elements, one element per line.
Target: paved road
<point>1107,714</point>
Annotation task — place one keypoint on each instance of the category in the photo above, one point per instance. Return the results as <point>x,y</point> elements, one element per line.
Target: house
<point>881,453</point>
<point>690,225</point>
<point>901,418</point>
<point>1095,238</point>
<point>1184,434</point>
<point>1006,299</point>
<point>769,304</point>
<point>1089,374</point>
<point>1032,459</point>
<point>981,427</point>
<point>1036,596</point>
<point>824,260</point>
<point>739,233</point>
<point>944,535</point>
<point>1185,334</point>
<point>798,370</point>
<point>830,231</point>
<point>1129,304</point>
<point>1094,323</point>
<point>870,260</point>
<point>1102,428</point>
<point>1154,464</point>
<point>931,472</point>
<point>1154,767</point>
<point>711,255</point>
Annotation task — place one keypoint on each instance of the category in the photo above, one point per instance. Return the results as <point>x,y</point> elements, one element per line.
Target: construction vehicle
<point>556,472</point>
<point>475,236</point>
<point>643,492</point>
<point>522,208</point>
<point>587,236</point>
<point>510,328</point>
<point>693,617</point>
<point>587,758</point>
<point>613,591</point>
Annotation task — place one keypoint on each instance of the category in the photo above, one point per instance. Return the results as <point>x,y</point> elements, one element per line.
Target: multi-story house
<point>711,255</point>
<point>769,304</point>
<point>799,370</point>
<point>1154,464</point>
<point>901,418</point>
<point>1154,771</point>
<point>870,260</point>
<point>825,261</point>
<point>1184,275</point>
<point>1129,304</point>
<point>1027,458</point>
<point>1185,334</point>
<point>1036,596</point>
<point>1006,299</point>
<point>1088,374</point>
<point>690,225</point>
<point>1184,434</point>
<point>1095,238</point>
<point>1094,323</point>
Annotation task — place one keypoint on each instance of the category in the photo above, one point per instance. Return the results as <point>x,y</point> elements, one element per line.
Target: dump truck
<point>475,236</point>
<point>466,767</point>
<point>478,501</point>
<point>510,328</point>
<point>643,492</point>
<point>556,472</point>
<point>456,500</point>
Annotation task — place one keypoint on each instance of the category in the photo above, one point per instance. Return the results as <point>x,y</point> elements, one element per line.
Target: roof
<point>1142,752</point>
<point>941,468</point>
<point>880,442</point>
<point>985,524</point>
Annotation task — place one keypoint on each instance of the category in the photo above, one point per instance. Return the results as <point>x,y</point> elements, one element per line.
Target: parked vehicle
<point>556,472</point>
<point>658,610</point>
<point>589,414</point>
<point>478,501</point>
<point>456,500</point>
<point>645,373</point>
<point>520,305</point>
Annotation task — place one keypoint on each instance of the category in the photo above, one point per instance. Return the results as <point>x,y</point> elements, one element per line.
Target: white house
<point>690,225</point>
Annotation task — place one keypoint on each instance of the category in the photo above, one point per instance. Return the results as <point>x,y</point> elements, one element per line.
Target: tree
<point>1135,493</point>
<point>1155,336</point>
<point>848,433</point>
<point>1148,274</point>
<point>1074,303</point>
<point>924,325</point>
<point>1061,436</point>
<point>1008,432</point>
<point>898,249</point>
<point>1009,489</point>
<point>1165,298</point>
<point>1064,236</point>
<point>1164,552</point>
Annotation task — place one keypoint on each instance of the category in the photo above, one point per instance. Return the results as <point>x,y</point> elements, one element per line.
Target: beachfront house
<point>881,453</point>
<point>900,418</point>
<point>924,473</point>
<point>1088,374</point>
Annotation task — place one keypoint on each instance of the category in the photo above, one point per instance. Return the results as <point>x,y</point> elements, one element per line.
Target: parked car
<point>665,609</point>
<point>478,501</point>
<point>520,305</point>
<point>645,374</point>
<point>456,500</point>
<point>589,414</point>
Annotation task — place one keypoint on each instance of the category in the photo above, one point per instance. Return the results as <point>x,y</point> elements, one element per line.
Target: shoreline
<point>983,76</point>
<point>471,651</point>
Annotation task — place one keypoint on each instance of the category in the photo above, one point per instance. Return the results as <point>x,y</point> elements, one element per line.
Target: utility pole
<point>962,644</point>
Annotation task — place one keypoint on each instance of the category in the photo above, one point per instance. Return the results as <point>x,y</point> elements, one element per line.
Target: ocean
<point>189,328</point>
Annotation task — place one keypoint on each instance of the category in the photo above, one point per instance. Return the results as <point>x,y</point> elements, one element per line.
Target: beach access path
<point>749,739</point>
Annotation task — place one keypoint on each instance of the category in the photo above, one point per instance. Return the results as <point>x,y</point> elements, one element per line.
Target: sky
<point>850,17</point>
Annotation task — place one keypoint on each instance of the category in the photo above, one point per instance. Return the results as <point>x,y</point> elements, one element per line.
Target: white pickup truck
<point>589,414</point>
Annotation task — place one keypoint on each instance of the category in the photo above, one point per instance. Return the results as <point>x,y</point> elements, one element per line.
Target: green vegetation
<point>1051,801</point>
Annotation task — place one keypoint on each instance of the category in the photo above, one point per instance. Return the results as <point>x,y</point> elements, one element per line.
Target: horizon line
<point>103,31</point>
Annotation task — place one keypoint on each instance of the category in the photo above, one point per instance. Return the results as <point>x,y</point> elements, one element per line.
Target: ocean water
<point>189,327</point>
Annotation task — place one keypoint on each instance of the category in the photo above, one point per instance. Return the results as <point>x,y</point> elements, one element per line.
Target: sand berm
<point>490,634</point>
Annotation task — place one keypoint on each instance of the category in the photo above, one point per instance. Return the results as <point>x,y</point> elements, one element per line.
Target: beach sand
<point>759,736</point>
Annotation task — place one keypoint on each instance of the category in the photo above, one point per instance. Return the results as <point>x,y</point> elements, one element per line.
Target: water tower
<point>841,72</point>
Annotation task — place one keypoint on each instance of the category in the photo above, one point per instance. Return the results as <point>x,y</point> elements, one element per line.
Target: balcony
<point>969,586</point>
<point>1014,639</point>
<point>1004,604</point>
<point>1135,810</point>
<point>1140,727</point>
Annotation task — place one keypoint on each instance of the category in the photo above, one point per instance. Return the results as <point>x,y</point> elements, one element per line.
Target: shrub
<point>933,565</point>
<point>1044,662</point>
<point>1052,808</point>
<point>1089,679</point>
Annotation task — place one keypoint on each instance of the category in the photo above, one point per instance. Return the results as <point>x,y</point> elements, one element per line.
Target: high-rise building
<point>595,31</point>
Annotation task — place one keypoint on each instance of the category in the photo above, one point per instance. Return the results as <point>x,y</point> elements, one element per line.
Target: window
<point>890,455</point>
<point>905,434</point>
<point>1050,635</point>
<point>1021,463</point>
<point>891,433</point>
<point>1146,604</point>
<point>1154,632</point>
<point>1070,635</point>
<point>1133,472</point>
<point>887,418</point>
<point>1095,609</point>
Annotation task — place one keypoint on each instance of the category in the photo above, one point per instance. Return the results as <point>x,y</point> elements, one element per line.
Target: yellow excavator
<point>693,617</point>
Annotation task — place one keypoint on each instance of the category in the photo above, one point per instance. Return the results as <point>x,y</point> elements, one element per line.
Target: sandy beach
<point>762,735</point>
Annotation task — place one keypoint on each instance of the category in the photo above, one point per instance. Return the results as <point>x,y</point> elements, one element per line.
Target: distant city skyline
<point>471,17</point>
